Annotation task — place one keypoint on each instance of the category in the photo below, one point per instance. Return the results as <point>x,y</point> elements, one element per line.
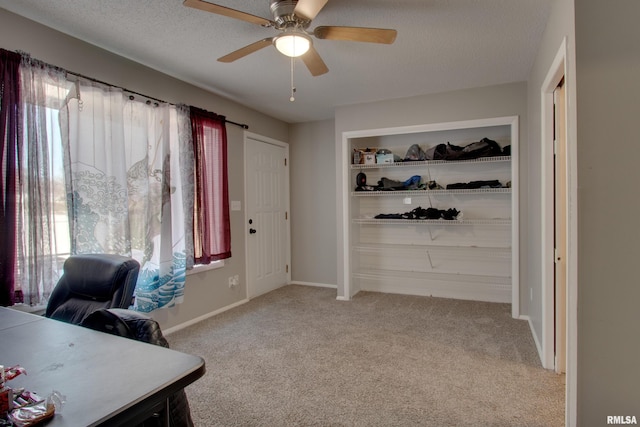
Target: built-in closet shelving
<point>474,256</point>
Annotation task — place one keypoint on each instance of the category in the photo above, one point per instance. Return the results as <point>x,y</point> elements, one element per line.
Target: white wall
<point>208,291</point>
<point>470,104</point>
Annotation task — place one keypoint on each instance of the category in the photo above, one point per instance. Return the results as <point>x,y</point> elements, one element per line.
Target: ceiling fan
<point>292,18</point>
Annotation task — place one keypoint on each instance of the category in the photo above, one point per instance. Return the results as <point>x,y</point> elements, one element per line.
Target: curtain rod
<point>242,125</point>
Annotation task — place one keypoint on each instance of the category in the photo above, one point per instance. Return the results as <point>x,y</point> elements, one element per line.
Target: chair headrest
<point>97,276</point>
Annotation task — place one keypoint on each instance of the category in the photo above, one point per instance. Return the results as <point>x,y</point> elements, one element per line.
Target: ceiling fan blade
<point>356,34</point>
<point>231,13</point>
<point>308,9</point>
<point>314,63</point>
<point>242,52</point>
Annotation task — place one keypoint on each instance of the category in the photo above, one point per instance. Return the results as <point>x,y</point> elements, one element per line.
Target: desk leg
<point>166,417</point>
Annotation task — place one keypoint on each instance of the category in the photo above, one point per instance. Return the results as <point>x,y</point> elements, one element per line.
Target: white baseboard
<point>321,285</point>
<point>176,328</point>
<point>461,288</point>
<point>317,285</point>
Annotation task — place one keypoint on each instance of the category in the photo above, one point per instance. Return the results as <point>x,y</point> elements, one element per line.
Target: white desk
<point>107,380</point>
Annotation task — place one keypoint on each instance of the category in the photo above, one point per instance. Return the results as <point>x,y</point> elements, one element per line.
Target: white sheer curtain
<point>44,241</point>
<point>102,172</point>
<point>126,163</point>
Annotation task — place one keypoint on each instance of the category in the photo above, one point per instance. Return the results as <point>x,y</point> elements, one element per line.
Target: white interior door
<point>560,227</point>
<point>267,217</point>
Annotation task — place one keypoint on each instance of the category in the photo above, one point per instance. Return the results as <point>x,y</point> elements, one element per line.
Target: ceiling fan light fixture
<point>292,44</point>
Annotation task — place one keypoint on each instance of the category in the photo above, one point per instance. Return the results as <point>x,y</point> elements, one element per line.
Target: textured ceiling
<point>442,45</point>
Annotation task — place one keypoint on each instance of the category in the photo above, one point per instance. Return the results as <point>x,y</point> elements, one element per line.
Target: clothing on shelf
<point>387,184</point>
<point>494,183</point>
<point>484,148</point>
<point>420,213</point>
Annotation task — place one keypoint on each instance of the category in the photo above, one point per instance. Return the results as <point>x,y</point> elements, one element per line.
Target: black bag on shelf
<point>446,151</point>
<point>437,152</point>
<point>390,184</point>
<point>453,152</point>
<point>484,148</point>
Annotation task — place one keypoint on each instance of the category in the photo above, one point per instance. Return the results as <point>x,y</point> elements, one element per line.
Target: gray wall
<point>478,103</point>
<point>207,291</point>
<point>608,110</point>
<point>559,26</point>
<point>313,203</point>
<point>604,64</point>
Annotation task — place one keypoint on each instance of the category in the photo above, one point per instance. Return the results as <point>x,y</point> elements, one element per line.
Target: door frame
<point>558,71</point>
<point>266,140</point>
<point>560,228</point>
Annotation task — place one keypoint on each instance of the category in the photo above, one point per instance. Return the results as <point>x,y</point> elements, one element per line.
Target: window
<point>101,171</point>
<point>42,225</point>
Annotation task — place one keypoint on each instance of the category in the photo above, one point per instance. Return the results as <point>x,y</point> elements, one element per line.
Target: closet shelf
<point>421,275</point>
<point>431,162</point>
<point>418,193</point>
<point>495,251</point>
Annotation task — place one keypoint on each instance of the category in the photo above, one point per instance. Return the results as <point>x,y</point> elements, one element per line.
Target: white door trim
<point>557,71</point>
<point>560,231</point>
<point>285,146</point>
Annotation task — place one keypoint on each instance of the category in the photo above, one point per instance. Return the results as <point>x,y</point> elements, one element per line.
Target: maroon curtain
<point>10,130</point>
<point>211,225</point>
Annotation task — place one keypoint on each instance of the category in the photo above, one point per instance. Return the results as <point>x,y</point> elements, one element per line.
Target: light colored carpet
<point>298,357</point>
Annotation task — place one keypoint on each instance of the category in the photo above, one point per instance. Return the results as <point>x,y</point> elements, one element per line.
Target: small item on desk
<point>21,408</point>
<point>12,372</point>
<point>32,414</point>
<point>24,398</point>
<point>5,395</point>
<point>5,399</point>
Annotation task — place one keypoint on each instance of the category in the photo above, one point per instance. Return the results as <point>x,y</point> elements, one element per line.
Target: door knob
<point>252,231</point>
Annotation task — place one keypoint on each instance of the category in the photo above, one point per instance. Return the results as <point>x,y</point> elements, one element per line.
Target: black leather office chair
<point>91,282</point>
<point>140,327</point>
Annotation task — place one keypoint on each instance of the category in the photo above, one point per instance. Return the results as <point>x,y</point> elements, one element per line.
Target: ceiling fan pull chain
<point>293,88</point>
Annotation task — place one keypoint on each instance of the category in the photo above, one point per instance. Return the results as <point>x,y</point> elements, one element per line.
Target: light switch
<point>235,205</point>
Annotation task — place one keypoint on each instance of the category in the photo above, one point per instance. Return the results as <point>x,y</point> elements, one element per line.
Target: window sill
<point>205,267</point>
